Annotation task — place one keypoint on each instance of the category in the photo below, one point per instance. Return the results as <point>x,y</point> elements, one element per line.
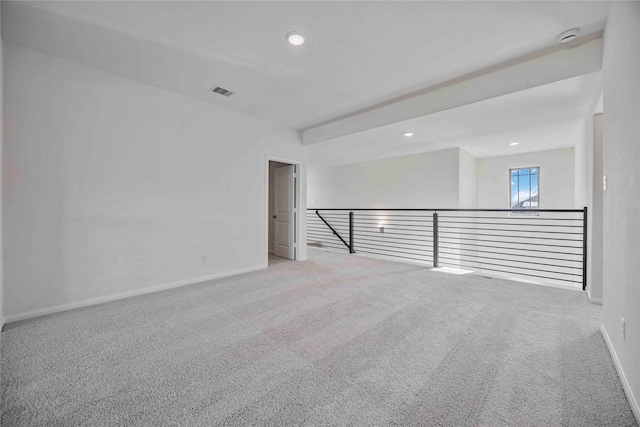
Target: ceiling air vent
<point>222,91</point>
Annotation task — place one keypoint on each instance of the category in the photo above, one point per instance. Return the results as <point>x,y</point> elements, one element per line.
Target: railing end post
<point>435,240</point>
<point>351,251</point>
<point>584,249</point>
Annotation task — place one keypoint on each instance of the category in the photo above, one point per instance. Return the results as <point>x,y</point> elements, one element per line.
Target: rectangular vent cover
<point>222,91</point>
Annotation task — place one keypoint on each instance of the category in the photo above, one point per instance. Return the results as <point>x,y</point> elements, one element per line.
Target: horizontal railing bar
<point>393,244</point>
<point>360,227</point>
<point>360,239</point>
<point>325,227</point>
<point>534,218</point>
<point>392,233</point>
<point>337,245</point>
<point>315,218</point>
<point>396,256</point>
<point>319,230</point>
<point>393,237</point>
<point>419,252</point>
<point>522,243</point>
<point>320,233</point>
<point>519,274</point>
<point>521,255</point>
<point>356,237</point>
<point>323,239</point>
<point>515,267</point>
<point>390,225</point>
<point>429,222</point>
<point>509,224</point>
<point>361,224</point>
<point>324,236</point>
<point>388,237</point>
<point>323,213</point>
<point>388,216</point>
<point>515,260</point>
<point>388,250</point>
<point>360,215</point>
<point>324,245</point>
<point>508,231</point>
<point>372,220</point>
<point>518,243</point>
<point>375,220</point>
<point>529,211</point>
<point>523,237</point>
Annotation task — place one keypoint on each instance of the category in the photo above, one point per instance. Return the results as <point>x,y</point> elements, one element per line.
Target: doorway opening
<point>282,210</point>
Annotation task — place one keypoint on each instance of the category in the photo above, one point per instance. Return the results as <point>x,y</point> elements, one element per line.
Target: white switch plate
<point>624,332</point>
<point>604,182</point>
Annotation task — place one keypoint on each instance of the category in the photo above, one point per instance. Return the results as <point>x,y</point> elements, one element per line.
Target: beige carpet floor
<point>335,340</point>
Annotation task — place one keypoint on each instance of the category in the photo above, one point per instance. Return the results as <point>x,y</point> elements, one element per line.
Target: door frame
<point>296,194</point>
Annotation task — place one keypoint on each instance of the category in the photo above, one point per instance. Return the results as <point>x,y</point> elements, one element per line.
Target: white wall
<point>556,187</point>
<point>621,233</point>
<point>114,187</point>
<point>467,181</point>
<point>427,180</point>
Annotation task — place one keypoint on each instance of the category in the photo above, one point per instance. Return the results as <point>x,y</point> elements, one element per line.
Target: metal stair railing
<point>549,244</point>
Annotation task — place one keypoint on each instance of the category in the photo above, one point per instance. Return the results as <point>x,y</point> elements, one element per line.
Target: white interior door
<point>285,212</point>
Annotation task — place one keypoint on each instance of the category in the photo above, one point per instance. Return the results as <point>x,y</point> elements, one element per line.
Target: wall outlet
<point>204,257</point>
<point>623,327</point>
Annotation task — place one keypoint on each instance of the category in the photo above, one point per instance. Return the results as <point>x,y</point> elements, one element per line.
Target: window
<point>523,192</point>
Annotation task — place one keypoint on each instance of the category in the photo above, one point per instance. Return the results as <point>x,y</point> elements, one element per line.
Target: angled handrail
<point>335,232</point>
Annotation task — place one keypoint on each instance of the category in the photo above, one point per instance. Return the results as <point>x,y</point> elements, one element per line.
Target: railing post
<point>584,249</point>
<point>435,239</point>
<point>351,251</point>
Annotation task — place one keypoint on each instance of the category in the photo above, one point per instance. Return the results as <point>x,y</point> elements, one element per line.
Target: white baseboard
<point>635,408</point>
<point>493,275</point>
<point>593,300</point>
<point>114,297</point>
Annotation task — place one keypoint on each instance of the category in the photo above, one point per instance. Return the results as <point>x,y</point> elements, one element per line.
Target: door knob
<point>274,217</point>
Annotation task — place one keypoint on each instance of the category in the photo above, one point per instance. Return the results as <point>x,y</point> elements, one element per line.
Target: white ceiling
<point>358,53</point>
<point>542,118</point>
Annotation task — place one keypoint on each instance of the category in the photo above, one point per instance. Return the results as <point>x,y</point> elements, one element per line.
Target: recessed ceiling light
<point>568,35</point>
<point>514,143</point>
<point>295,38</point>
<point>408,134</point>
